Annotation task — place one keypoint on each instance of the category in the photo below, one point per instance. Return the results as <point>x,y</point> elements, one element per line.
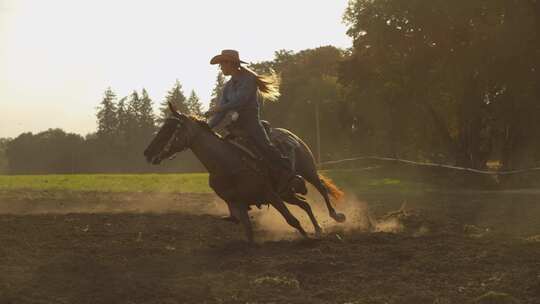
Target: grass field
<point>182,183</point>
<point>188,183</point>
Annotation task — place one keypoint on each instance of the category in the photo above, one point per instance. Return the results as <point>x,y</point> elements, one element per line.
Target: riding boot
<point>283,172</point>
<point>280,167</point>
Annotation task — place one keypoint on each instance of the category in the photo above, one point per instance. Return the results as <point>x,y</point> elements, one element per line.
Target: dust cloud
<point>496,212</point>
<point>359,219</point>
<point>266,220</point>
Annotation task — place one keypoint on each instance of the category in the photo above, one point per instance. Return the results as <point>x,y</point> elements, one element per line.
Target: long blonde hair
<point>268,84</point>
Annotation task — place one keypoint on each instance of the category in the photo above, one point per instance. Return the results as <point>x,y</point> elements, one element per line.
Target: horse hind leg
<point>300,202</point>
<point>280,206</point>
<point>338,217</point>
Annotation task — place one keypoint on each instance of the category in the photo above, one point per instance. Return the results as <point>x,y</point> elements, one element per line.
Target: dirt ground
<point>61,247</point>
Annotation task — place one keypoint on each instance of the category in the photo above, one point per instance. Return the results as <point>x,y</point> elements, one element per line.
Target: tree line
<point>125,126</point>
<point>449,82</point>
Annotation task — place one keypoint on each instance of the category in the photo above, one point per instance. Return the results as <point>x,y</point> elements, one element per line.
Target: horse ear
<point>174,111</point>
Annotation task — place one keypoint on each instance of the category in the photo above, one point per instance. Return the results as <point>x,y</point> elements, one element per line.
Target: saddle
<point>285,143</point>
<point>283,140</point>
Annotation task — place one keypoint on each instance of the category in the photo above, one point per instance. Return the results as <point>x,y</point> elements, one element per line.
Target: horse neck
<point>213,152</point>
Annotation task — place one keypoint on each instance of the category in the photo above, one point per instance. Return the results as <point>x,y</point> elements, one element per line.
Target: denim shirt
<point>239,93</point>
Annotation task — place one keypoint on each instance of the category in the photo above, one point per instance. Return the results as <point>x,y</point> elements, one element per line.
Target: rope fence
<point>433,165</point>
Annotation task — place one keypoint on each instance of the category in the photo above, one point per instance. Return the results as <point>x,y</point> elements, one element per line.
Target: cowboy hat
<point>227,55</point>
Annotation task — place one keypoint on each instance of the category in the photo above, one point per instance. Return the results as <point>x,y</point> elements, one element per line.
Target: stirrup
<point>298,184</point>
<point>295,184</point>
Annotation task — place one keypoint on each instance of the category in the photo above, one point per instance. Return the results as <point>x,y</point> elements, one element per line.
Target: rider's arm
<point>218,115</point>
<point>245,92</point>
<point>216,119</point>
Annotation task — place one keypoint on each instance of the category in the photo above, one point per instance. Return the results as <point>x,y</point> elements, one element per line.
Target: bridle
<point>174,138</point>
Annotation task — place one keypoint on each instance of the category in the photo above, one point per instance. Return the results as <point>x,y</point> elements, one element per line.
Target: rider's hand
<point>213,111</point>
<point>209,113</point>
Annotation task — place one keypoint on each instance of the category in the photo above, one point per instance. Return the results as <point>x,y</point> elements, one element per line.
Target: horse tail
<point>333,190</point>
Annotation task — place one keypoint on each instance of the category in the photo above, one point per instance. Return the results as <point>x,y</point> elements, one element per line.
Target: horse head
<point>175,135</point>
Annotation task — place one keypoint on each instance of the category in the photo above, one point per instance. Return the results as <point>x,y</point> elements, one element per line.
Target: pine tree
<point>146,119</point>
<point>194,104</point>
<point>134,119</point>
<point>132,111</point>
<point>177,98</point>
<point>140,115</point>
<point>133,103</point>
<point>124,120</point>
<point>107,116</point>
<point>218,90</point>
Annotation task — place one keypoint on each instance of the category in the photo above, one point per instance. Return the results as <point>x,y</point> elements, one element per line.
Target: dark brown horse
<point>233,174</point>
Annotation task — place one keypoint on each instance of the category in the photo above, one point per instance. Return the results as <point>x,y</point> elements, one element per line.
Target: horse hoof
<point>339,217</point>
<point>231,219</point>
<point>304,235</point>
<point>318,233</point>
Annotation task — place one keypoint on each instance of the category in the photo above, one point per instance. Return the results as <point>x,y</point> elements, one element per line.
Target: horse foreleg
<point>230,217</point>
<point>241,213</point>
<point>278,203</point>
<point>301,202</point>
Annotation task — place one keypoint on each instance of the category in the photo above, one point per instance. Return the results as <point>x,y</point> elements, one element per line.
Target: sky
<point>57,57</point>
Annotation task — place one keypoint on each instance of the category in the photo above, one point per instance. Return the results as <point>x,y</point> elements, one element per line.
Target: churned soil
<point>141,248</point>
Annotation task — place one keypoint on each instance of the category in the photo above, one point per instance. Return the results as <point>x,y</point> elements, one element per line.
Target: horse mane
<point>201,121</point>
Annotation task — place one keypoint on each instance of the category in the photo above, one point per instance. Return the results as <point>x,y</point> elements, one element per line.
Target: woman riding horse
<point>241,94</point>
